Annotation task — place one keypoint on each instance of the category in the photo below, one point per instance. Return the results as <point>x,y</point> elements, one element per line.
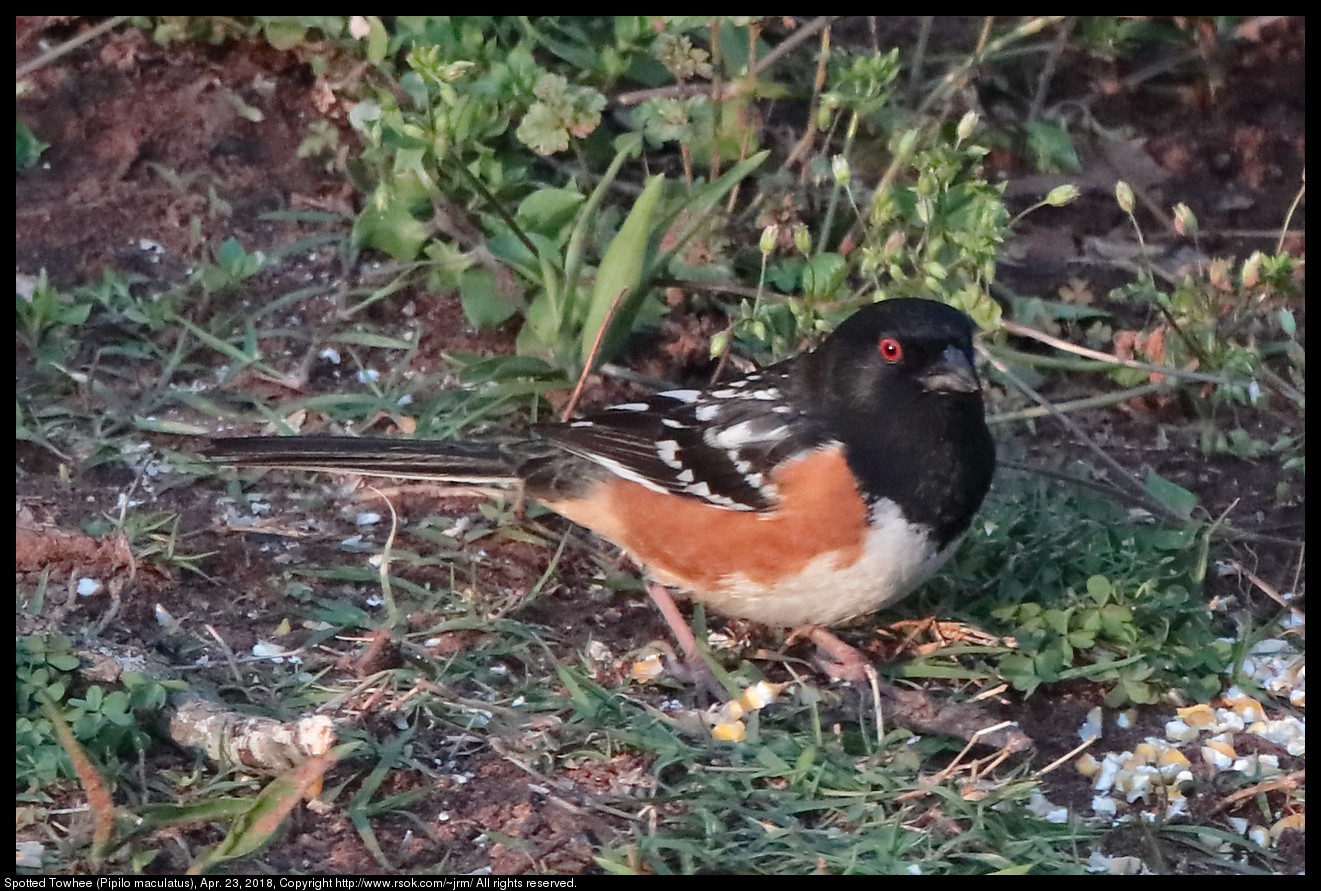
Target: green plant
<point>284,32</point>
<point>1219,323</point>
<point>464,82</point>
<point>44,317</point>
<point>1234,324</point>
<point>153,536</point>
<point>1089,595</point>
<point>27,147</point>
<point>957,222</point>
<point>799,796</point>
<point>466,85</point>
<point>116,315</point>
<point>108,723</point>
<point>509,161</point>
<point>565,318</point>
<point>233,265</point>
<point>453,156</point>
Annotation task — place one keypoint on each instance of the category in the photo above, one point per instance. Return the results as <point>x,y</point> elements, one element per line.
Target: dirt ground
<point>156,157</point>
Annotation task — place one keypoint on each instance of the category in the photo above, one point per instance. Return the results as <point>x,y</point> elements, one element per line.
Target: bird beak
<point>952,373</point>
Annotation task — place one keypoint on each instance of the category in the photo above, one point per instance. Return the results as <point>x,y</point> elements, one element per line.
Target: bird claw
<point>838,659</point>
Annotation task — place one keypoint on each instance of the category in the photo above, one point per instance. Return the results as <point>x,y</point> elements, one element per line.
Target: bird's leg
<point>845,662</point>
<point>660,595</point>
<point>692,658</point>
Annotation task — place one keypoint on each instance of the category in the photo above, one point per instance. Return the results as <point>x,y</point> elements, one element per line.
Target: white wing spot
<point>668,451</point>
<point>729,438</point>
<point>702,490</point>
<point>742,433</point>
<point>682,395</point>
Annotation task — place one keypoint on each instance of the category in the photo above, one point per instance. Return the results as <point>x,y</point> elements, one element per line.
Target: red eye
<point>890,350</point>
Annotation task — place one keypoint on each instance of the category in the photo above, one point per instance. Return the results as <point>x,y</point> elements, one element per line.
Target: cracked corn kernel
<point>730,731</point>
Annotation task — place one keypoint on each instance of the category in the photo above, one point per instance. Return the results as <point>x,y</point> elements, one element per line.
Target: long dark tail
<point>456,461</point>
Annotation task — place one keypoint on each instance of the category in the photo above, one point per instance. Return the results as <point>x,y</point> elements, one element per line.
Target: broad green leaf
<point>540,334</point>
<point>391,229</point>
<point>619,276</point>
<point>486,302</point>
<point>547,211</point>
<point>378,40</point>
<point>1052,147</point>
<point>823,275</point>
<point>1173,497</point>
<point>568,311</point>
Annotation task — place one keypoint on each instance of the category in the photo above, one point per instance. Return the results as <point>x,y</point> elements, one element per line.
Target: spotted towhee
<point>811,492</point>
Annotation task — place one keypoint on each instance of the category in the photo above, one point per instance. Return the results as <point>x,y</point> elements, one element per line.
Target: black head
<point>898,350</point>
<point>896,380</point>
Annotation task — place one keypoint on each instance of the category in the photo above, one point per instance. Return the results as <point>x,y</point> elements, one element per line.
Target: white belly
<point>896,558</point>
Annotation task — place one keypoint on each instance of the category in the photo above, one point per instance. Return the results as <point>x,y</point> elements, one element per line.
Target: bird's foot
<point>840,660</point>
<point>692,668</point>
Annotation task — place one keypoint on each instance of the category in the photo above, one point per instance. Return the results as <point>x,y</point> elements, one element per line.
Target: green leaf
<point>562,110</point>
<point>256,827</point>
<point>485,302</point>
<point>1057,620</point>
<point>539,335</point>
<point>1051,147</point>
<point>823,275</point>
<point>547,211</point>
<point>503,368</point>
<point>1080,640</point>
<point>27,147</point>
<point>234,258</point>
<point>579,695</point>
<point>391,229</point>
<point>1117,621</point>
<point>154,816</point>
<point>619,276</point>
<point>372,339</point>
<point>565,308</point>
<point>542,130</point>
<point>378,40</point>
<point>1173,497</point>
<point>1100,588</point>
<point>284,33</point>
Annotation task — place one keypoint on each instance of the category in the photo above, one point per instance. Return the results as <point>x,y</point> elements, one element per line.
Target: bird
<point>806,494</point>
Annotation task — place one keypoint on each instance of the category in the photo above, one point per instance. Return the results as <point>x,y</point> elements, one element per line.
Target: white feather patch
<point>897,556</point>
